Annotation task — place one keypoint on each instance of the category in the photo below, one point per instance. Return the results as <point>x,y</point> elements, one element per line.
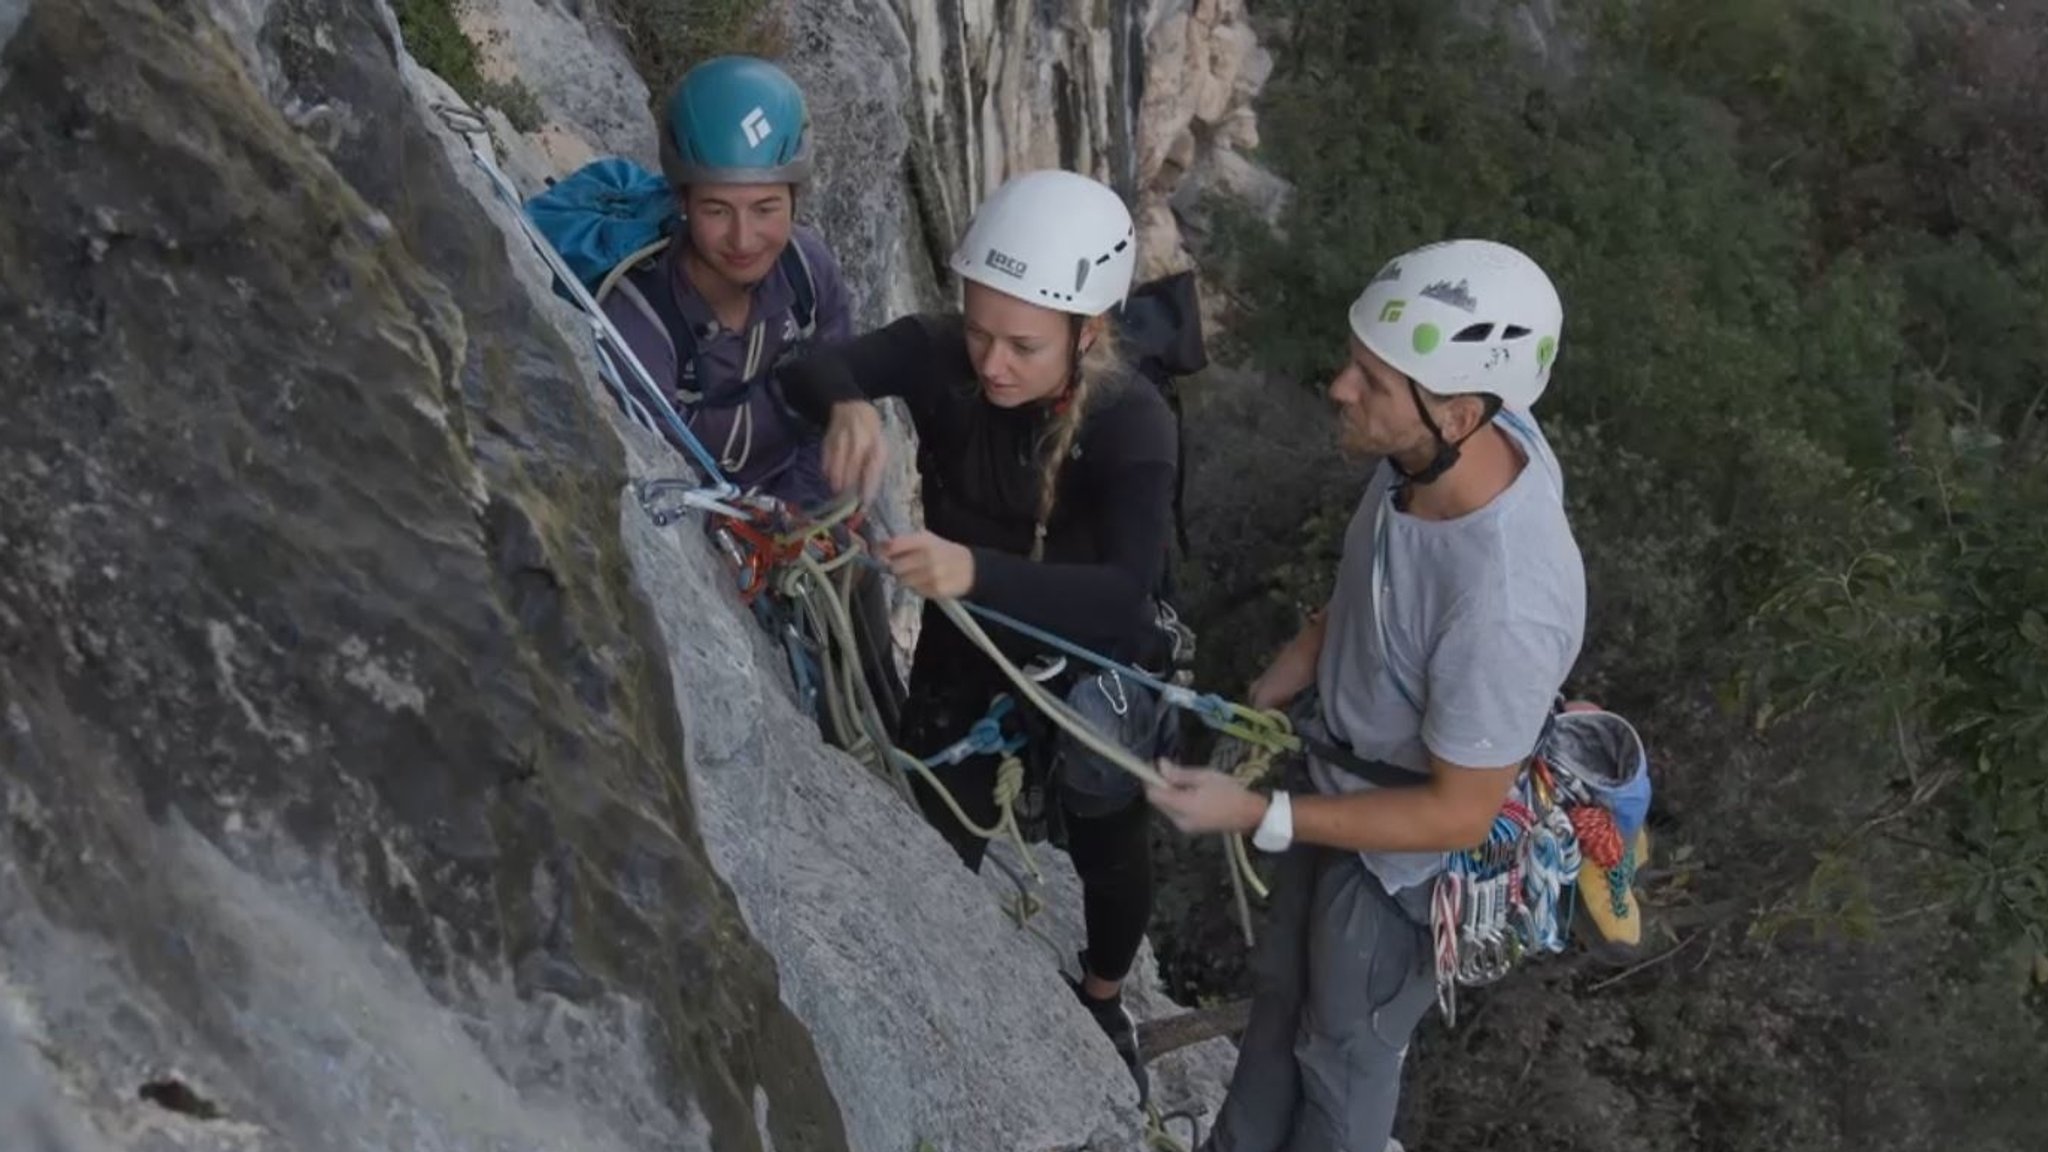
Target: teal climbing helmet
<point>735,120</point>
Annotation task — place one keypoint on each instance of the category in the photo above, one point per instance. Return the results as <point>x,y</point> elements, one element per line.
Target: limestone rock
<point>1203,71</point>
<point>1190,1082</point>
<point>339,791</point>
<point>592,100</point>
<point>1231,176</point>
<point>374,771</point>
<point>1167,109</point>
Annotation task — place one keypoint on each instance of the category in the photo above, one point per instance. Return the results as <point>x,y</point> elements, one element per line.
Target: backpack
<point>1161,326</point>
<point>611,217</point>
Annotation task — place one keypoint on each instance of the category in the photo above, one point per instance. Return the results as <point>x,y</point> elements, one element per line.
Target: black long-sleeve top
<point>1105,547</point>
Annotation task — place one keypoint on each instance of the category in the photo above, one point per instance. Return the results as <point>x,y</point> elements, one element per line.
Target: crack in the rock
<point>175,1095</point>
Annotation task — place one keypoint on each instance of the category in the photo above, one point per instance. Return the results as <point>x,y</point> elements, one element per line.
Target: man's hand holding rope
<point>1200,800</point>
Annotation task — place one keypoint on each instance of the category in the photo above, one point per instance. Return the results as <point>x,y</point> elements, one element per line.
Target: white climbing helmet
<point>1054,238</point>
<point>1464,316</point>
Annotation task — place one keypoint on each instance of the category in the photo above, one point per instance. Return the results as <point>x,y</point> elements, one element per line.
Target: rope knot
<point>1009,781</point>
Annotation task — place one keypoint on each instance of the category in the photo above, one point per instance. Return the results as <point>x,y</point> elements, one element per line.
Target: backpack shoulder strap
<point>624,267</point>
<point>657,296</point>
<point>1169,388</point>
<point>797,267</point>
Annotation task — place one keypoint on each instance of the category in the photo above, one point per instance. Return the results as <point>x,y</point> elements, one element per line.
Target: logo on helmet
<point>1392,311</point>
<point>756,127</point>
<point>1457,295</point>
<point>1006,263</point>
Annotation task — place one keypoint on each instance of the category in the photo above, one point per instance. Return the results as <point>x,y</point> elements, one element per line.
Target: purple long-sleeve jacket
<point>728,393</point>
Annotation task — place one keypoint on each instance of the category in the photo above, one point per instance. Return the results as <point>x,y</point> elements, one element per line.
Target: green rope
<point>857,725</point>
<point>850,699</point>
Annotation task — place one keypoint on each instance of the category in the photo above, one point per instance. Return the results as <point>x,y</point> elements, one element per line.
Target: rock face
<point>591,101</point>
<point>341,800</point>
<point>1148,95</point>
<point>374,772</point>
<point>1203,69</point>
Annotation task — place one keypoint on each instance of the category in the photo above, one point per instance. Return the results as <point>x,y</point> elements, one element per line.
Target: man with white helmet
<point>1048,474</point>
<point>1458,611</point>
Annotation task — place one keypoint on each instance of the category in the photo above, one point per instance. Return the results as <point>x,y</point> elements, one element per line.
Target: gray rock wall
<point>339,781</point>
<point>374,771</point>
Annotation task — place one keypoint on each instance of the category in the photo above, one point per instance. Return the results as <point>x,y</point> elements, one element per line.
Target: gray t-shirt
<point>1484,617</point>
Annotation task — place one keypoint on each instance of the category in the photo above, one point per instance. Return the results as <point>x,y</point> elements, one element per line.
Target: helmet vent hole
<point>1513,332</point>
<point>1473,334</point>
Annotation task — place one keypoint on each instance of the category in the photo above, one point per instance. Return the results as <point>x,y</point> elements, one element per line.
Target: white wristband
<point>1276,828</point>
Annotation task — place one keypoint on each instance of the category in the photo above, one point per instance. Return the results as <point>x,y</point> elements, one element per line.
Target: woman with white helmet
<point>1048,476</point>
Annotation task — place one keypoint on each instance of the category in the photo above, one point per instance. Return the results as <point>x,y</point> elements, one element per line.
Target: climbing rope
<point>615,358</point>
<point>1159,1139</point>
<point>799,564</point>
<point>796,561</point>
<point>1600,843</point>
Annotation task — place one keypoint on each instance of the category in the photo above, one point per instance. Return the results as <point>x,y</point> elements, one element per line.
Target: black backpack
<point>1161,325</point>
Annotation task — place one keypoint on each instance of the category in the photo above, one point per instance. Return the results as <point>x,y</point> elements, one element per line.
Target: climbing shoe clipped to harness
<point>1607,874</point>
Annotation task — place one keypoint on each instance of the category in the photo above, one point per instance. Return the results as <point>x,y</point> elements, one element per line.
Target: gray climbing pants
<point>1340,980</point>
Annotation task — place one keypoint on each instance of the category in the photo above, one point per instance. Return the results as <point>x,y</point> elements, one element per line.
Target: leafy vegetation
<point>435,38</point>
<point>667,37</point>
<point>1800,401</point>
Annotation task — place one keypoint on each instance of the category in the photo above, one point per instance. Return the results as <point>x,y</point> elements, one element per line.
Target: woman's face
<point>1023,353</point>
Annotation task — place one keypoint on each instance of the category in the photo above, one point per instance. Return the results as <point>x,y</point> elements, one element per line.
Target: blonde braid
<point>1101,368</point>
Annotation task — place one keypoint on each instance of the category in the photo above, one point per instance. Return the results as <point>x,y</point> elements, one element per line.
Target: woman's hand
<point>856,452</point>
<point>931,566</point>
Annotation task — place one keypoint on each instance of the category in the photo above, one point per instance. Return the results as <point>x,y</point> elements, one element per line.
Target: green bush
<point>436,39</point>
<point>1800,402</point>
<point>667,37</point>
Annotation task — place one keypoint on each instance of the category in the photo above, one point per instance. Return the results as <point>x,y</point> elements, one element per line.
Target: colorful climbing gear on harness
<point>1515,895</point>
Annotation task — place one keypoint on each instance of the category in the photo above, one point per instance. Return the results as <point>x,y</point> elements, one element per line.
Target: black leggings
<point>1112,854</point>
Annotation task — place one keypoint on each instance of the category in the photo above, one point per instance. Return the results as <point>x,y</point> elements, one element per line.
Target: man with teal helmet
<point>741,288</point>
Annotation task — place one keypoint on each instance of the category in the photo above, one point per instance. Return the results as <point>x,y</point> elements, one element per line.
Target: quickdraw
<point>762,536</point>
<point>1509,897</point>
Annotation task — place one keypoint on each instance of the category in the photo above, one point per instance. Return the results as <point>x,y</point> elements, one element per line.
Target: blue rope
<point>611,347</point>
<point>985,738</point>
<point>1214,710</point>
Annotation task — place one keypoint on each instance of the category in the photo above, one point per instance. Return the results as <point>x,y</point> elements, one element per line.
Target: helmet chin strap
<point>1446,451</point>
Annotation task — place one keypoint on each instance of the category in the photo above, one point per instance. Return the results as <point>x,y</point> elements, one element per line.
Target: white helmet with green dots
<point>1462,317</point>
